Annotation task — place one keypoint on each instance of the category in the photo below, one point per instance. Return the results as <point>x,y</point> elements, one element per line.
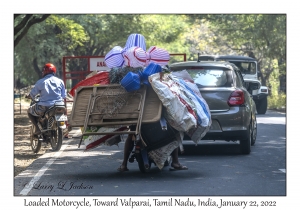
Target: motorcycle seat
<point>59,104</point>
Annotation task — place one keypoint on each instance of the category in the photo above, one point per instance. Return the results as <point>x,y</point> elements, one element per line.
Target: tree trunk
<point>36,68</point>
<point>25,25</point>
<point>267,75</point>
<point>19,84</point>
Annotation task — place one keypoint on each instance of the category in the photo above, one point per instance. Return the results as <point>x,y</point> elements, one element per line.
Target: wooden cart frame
<point>111,105</point>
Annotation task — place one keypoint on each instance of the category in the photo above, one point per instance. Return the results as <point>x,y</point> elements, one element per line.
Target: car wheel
<point>254,131</point>
<point>245,144</point>
<point>262,106</point>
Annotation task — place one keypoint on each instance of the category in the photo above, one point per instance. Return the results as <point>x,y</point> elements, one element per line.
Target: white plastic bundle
<point>180,114</point>
<point>202,111</point>
<point>187,111</point>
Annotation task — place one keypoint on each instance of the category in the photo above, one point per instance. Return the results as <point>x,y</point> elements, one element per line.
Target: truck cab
<point>250,72</point>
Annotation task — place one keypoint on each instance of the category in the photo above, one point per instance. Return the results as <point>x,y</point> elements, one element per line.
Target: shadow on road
<point>211,148</point>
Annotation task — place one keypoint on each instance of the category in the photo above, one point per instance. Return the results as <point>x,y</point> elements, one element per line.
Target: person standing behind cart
<point>129,144</point>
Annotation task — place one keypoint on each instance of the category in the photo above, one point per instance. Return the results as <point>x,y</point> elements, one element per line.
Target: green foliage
<point>23,22</point>
<point>277,101</point>
<point>274,82</point>
<point>162,30</point>
<point>46,42</point>
<point>69,33</point>
<point>92,34</point>
<point>257,35</point>
<point>167,32</point>
<point>261,36</point>
<point>105,31</point>
<point>201,39</point>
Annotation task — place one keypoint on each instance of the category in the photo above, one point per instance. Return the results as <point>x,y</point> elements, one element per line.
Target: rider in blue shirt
<point>51,89</point>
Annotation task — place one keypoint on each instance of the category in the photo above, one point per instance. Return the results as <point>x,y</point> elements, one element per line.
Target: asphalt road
<point>215,169</point>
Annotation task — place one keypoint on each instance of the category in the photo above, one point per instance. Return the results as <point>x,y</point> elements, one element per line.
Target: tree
<point>167,32</point>
<point>261,36</point>
<point>92,35</point>
<point>67,35</point>
<point>107,31</point>
<point>201,39</point>
<point>24,22</point>
<point>43,43</point>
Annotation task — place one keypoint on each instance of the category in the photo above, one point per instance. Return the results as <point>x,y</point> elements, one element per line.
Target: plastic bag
<point>114,58</point>
<point>94,141</point>
<point>160,155</point>
<point>157,55</point>
<point>179,112</point>
<point>201,108</point>
<point>135,57</point>
<point>186,110</point>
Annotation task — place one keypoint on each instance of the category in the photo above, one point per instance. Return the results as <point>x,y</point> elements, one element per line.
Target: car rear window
<point>245,67</point>
<point>209,77</point>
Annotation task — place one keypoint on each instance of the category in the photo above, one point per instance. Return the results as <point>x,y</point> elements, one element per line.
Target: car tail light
<point>236,98</point>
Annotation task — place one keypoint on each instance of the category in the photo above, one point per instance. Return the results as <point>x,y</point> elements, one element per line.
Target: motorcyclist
<point>51,89</point>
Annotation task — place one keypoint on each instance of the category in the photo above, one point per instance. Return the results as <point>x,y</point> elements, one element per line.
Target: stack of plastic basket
<point>152,68</point>
<point>131,82</point>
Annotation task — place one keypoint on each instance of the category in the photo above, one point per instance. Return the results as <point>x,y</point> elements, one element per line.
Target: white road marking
<point>40,173</point>
<point>283,170</point>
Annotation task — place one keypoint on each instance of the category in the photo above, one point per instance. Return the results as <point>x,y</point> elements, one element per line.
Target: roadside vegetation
<point>277,101</point>
<point>277,98</point>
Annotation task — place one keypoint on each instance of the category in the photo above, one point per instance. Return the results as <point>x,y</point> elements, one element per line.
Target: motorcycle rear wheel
<point>141,165</point>
<point>56,139</point>
<point>34,141</point>
<point>168,161</point>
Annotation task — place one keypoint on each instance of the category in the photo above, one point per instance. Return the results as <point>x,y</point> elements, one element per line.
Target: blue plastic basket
<point>152,68</point>
<point>131,82</point>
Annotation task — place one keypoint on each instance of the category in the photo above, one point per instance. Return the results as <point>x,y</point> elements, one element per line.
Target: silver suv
<point>249,70</point>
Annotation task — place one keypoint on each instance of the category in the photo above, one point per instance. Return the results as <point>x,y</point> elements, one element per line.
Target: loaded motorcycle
<point>162,137</point>
<point>51,125</point>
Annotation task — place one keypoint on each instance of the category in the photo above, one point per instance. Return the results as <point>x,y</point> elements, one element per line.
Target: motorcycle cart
<point>112,106</point>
